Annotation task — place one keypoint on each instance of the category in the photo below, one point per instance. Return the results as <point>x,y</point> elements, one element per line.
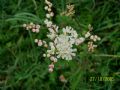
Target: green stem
<point>106,55</point>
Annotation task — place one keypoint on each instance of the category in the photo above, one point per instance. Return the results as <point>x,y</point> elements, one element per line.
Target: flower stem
<point>107,55</point>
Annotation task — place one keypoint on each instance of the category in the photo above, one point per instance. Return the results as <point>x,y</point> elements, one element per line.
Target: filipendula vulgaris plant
<point>60,45</point>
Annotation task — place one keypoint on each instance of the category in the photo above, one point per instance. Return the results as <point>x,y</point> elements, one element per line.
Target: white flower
<point>51,30</point>
<point>94,38</point>
<point>51,66</point>
<point>94,46</point>
<point>87,34</point>
<point>66,30</point>
<point>51,36</point>
<point>74,34</point>
<point>52,49</point>
<point>36,40</point>
<point>79,41</point>
<point>40,43</point>
<point>98,38</point>
<point>24,25</point>
<point>48,55</point>
<point>50,70</point>
<point>33,30</point>
<point>46,7</point>
<point>48,15</point>
<point>50,5</point>
<point>70,30</point>
<point>31,23</point>
<point>48,23</point>
<point>45,21</point>
<point>64,47</point>
<point>49,10</point>
<point>38,26</point>
<point>37,30</point>
<point>44,55</point>
<point>53,59</point>
<point>55,28</point>
<point>51,14</point>
<point>47,2</point>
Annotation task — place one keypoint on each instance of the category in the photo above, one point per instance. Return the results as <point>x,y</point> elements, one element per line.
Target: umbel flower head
<point>61,41</point>
<point>62,45</point>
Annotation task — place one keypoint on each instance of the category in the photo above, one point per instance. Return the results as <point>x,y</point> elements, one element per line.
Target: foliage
<point>22,66</point>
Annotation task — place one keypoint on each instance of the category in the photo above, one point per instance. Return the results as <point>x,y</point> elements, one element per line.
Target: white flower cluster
<point>93,38</point>
<point>91,46</point>
<point>62,45</point>
<point>70,11</point>
<point>40,43</point>
<point>32,26</point>
<point>48,7</point>
<point>61,41</point>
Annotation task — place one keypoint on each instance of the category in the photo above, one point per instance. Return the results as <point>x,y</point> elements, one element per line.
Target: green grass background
<point>22,66</point>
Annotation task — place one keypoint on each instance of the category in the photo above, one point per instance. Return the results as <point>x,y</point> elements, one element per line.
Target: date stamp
<point>102,78</point>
